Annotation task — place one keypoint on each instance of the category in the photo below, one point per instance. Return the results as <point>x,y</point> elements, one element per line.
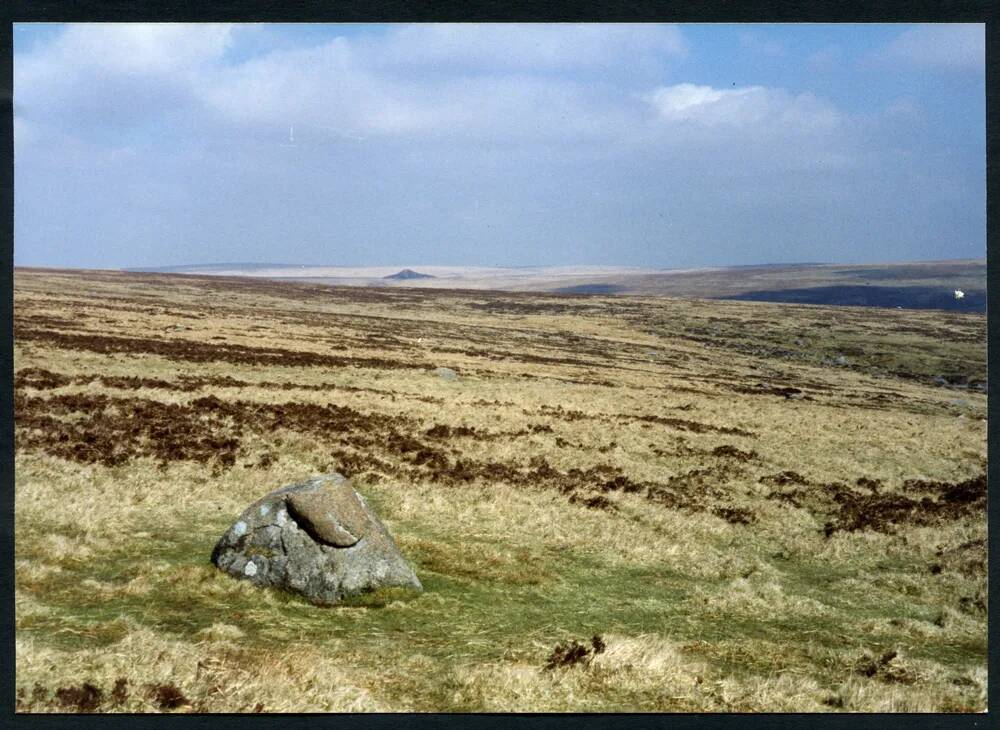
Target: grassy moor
<point>620,504</point>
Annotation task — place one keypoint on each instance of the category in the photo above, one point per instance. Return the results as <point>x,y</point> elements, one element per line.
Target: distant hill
<point>407,274</point>
<point>908,285</point>
<point>901,297</point>
<point>209,268</point>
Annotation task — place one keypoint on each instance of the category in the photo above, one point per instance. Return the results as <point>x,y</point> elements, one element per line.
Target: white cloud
<point>331,88</point>
<point>524,46</point>
<point>121,72</point>
<point>950,46</point>
<point>468,84</point>
<point>687,101</point>
<point>487,80</point>
<point>743,107</point>
<point>130,48</point>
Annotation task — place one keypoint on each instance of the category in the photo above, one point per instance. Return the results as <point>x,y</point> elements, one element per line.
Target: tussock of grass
<point>215,674</point>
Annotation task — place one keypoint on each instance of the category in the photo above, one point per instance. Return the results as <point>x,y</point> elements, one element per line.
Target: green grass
<point>465,614</point>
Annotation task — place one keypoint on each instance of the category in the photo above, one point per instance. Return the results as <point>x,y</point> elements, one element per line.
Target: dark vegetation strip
<point>445,432</point>
<point>191,351</point>
<point>89,697</point>
<point>208,430</point>
<point>684,424</point>
<point>879,511</point>
<point>501,355</point>
<point>96,428</point>
<point>869,506</point>
<point>41,379</point>
<point>113,431</point>
<point>681,424</point>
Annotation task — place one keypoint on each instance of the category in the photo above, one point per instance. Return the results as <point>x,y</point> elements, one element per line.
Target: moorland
<point>908,285</point>
<point>622,503</point>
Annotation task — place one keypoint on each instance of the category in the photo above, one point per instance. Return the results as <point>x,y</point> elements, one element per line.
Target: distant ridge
<point>408,274</point>
<point>903,284</point>
<point>241,265</point>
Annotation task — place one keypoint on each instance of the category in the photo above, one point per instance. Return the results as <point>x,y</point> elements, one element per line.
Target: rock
<point>840,360</point>
<point>318,538</point>
<point>446,373</point>
<point>333,515</point>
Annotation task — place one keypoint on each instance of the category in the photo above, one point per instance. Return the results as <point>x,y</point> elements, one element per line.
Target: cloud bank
<point>499,144</point>
<point>953,46</point>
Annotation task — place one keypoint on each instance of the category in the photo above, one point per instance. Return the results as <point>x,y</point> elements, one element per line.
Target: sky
<point>646,145</point>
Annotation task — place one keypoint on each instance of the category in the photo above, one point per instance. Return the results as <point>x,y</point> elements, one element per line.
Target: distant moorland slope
<point>909,285</point>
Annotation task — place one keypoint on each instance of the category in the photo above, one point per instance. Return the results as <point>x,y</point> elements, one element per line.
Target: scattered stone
<point>840,360</point>
<point>317,538</point>
<point>445,373</point>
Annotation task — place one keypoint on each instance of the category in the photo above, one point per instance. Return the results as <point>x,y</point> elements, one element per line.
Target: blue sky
<point>637,145</point>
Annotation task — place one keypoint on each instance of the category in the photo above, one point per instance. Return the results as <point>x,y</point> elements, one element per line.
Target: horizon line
<point>276,265</point>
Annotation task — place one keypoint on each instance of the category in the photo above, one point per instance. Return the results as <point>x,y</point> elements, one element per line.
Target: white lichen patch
<point>250,569</point>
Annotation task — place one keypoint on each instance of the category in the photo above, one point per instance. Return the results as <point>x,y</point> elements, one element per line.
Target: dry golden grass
<point>606,471</point>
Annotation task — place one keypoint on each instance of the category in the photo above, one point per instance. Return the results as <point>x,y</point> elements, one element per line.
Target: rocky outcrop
<point>445,373</point>
<point>318,538</point>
